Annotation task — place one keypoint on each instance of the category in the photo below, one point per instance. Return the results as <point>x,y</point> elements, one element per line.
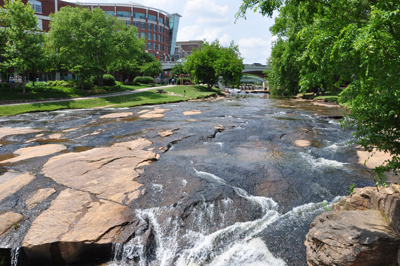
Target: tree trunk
<point>23,82</point>
<point>33,74</point>
<point>82,83</point>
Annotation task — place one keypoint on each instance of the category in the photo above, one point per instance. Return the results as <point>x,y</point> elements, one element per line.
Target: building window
<point>154,46</point>
<point>128,23</point>
<point>161,20</point>
<point>143,26</point>
<point>136,24</point>
<point>159,47</point>
<point>40,24</point>
<point>142,35</point>
<point>149,45</point>
<point>149,36</point>
<point>123,14</point>
<point>159,28</point>
<point>36,5</point>
<point>139,15</point>
<point>149,26</point>
<point>154,27</point>
<point>109,13</point>
<point>152,18</point>
<point>154,37</point>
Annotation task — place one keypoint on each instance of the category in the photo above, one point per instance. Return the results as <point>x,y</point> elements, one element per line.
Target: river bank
<point>228,181</point>
<point>122,99</point>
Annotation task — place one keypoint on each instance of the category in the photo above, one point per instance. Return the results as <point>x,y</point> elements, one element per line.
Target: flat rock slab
<point>8,220</point>
<point>193,112</point>
<point>6,131</point>
<point>302,143</point>
<point>106,172</point>
<point>36,151</point>
<point>116,115</point>
<point>39,196</point>
<point>165,133</point>
<point>351,238</point>
<point>73,220</point>
<point>13,181</point>
<point>156,113</point>
<point>137,144</point>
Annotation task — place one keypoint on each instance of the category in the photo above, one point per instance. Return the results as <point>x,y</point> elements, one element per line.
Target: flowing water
<point>244,195</point>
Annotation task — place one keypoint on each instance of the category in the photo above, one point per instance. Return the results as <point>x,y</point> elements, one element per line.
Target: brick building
<point>157,26</point>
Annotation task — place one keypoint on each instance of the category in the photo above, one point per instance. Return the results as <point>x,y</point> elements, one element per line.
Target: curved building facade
<point>158,27</point>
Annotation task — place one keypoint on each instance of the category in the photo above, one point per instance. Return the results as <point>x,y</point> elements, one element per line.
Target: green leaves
<point>212,61</point>
<point>342,42</point>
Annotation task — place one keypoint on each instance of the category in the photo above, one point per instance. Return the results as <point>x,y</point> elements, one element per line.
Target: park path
<point>88,97</point>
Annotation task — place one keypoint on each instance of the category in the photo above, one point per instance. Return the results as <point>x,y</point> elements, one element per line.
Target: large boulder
<point>351,238</point>
<point>75,225</point>
<point>385,200</point>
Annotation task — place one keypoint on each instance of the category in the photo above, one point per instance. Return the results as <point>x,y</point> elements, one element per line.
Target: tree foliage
<point>88,42</point>
<point>211,62</point>
<point>354,42</point>
<point>21,39</point>
<point>178,70</point>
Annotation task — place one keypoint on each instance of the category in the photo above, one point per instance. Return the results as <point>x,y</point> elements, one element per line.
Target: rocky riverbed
<point>234,181</point>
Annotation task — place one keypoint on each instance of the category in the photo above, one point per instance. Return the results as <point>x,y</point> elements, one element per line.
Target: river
<point>238,183</point>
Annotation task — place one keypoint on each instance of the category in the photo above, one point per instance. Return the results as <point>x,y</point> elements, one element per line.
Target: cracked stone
<point>107,172</point>
<point>72,222</point>
<point>35,151</point>
<point>8,220</point>
<point>39,196</point>
<point>13,181</point>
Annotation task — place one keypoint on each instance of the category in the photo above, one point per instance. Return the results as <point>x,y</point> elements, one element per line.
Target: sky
<point>215,19</point>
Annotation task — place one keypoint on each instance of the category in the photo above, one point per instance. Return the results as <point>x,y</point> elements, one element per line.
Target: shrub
<point>132,83</point>
<point>97,90</point>
<point>143,80</point>
<point>112,88</point>
<point>108,80</point>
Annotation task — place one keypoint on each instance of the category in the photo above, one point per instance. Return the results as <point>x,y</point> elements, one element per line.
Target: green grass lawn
<point>142,98</point>
<point>46,92</point>
<point>332,96</point>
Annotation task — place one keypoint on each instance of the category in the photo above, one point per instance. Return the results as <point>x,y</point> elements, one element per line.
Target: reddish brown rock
<point>35,151</point>
<point>107,172</point>
<point>12,181</point>
<point>72,225</point>
<point>385,200</point>
<point>8,220</point>
<point>351,238</point>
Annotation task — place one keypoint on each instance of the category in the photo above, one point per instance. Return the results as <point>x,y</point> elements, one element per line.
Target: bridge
<point>253,69</point>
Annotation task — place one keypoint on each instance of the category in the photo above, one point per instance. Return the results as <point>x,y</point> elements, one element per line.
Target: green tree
<point>83,41</point>
<point>129,49</point>
<point>152,68</point>
<point>178,70</point>
<point>348,42</point>
<point>23,41</point>
<point>211,62</point>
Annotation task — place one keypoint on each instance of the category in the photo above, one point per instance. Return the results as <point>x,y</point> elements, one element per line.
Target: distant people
<point>126,80</point>
<point>322,91</point>
<point>19,79</point>
<point>173,81</point>
<point>12,80</point>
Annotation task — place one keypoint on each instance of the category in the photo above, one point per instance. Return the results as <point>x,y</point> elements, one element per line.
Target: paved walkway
<point>91,97</point>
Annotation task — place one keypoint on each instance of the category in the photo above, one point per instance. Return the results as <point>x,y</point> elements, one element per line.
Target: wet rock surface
<point>351,238</point>
<point>227,188</point>
<point>363,229</point>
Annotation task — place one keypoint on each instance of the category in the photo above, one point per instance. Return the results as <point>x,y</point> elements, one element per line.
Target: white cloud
<point>215,19</point>
<point>204,8</point>
<point>253,42</point>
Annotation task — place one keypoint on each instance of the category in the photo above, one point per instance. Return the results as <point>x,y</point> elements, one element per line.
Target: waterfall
<point>14,256</point>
